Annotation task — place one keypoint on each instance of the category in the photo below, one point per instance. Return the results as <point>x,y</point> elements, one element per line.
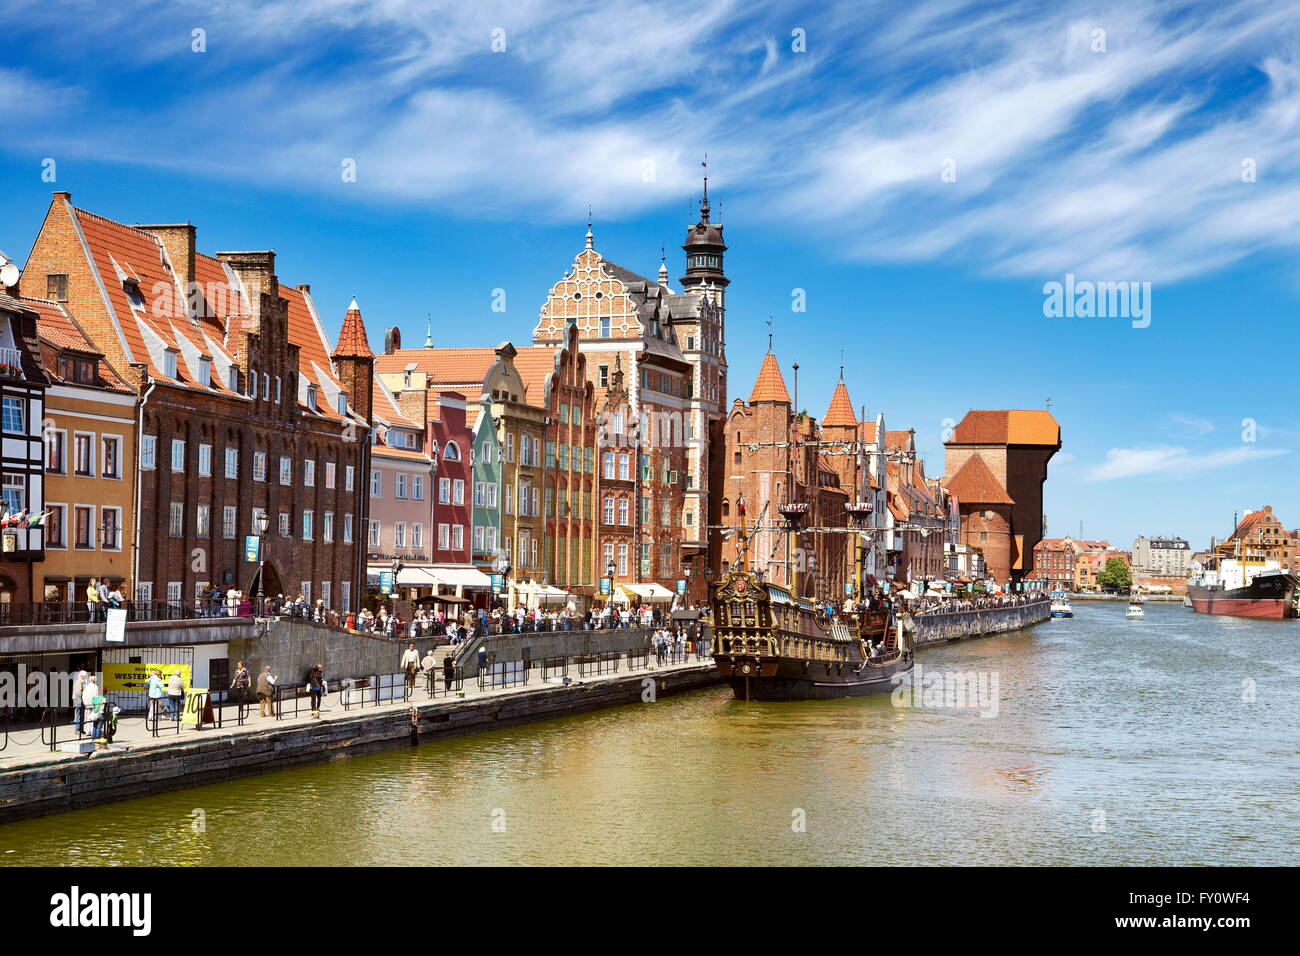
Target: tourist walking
<point>316,688</point>
<point>239,685</point>
<point>266,692</point>
<point>411,667</point>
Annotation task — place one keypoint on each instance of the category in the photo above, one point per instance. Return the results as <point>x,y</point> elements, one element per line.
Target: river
<point>1114,742</point>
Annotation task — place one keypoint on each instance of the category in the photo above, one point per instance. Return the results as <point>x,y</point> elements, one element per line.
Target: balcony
<point>11,363</point>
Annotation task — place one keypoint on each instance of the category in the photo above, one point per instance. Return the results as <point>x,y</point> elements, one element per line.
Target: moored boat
<point>770,645</point>
<point>1244,587</point>
<point>1061,605</point>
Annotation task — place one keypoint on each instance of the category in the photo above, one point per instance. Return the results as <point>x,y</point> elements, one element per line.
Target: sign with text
<point>252,548</point>
<point>115,625</point>
<point>385,582</point>
<point>606,586</point>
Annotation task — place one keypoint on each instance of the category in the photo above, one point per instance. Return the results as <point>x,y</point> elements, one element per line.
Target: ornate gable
<point>591,292</point>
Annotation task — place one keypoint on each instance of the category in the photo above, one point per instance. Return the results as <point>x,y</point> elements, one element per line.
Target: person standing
<point>410,666</point>
<point>482,659</point>
<point>92,599</point>
<point>175,695</point>
<point>104,594</point>
<point>448,673</point>
<point>93,701</point>
<point>266,692</point>
<point>316,688</point>
<point>79,705</point>
<point>154,691</point>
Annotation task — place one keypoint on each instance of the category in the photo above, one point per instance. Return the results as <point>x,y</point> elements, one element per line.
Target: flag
<point>37,521</point>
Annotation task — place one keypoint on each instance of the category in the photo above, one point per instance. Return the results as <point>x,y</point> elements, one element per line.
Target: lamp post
<point>686,573</point>
<point>263,525</point>
<point>397,569</point>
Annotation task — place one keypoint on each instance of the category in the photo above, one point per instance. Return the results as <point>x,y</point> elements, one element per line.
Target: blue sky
<point>1114,155</point>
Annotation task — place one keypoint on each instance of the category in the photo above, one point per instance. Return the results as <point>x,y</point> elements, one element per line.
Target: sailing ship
<point>771,644</point>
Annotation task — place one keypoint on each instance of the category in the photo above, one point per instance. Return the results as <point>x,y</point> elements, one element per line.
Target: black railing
<point>590,665</point>
<point>81,612</point>
<point>503,674</point>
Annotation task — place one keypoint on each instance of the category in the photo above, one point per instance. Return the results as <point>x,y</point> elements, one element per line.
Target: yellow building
<point>89,432</point>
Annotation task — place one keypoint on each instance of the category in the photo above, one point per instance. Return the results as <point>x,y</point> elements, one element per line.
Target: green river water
<point>1115,742</point>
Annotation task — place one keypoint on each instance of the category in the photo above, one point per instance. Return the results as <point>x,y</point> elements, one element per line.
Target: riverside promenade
<point>35,781</point>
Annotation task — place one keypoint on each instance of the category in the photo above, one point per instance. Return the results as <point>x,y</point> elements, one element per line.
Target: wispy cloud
<point>1173,462</point>
<point>1194,425</point>
<point>1122,163</point>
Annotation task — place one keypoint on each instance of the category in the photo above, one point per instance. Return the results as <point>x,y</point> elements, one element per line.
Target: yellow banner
<point>135,676</point>
<point>195,698</point>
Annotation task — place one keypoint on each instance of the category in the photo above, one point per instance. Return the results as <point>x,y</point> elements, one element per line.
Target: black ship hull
<point>757,677</point>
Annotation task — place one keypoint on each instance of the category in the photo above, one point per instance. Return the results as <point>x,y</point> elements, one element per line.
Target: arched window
<point>726,508</point>
<point>451,452</point>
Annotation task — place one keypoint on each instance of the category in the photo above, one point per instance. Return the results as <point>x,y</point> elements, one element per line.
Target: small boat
<point>1134,610</point>
<point>1061,605</point>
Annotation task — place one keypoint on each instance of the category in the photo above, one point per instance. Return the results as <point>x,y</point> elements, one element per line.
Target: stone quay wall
<point>959,625</point>
<point>44,787</point>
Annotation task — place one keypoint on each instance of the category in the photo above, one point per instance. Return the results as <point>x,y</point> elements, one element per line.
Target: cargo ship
<point>1243,587</point>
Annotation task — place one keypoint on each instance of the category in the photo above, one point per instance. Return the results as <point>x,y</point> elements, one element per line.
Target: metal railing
<point>590,665</point>
<point>84,612</point>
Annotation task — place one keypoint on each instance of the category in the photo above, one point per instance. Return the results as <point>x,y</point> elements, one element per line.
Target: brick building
<point>1057,562</point>
<point>996,466</point>
<point>774,461</point>
<point>670,346</point>
<point>1261,534</point>
<point>242,407</point>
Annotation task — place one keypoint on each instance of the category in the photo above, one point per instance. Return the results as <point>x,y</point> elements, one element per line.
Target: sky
<point>900,183</point>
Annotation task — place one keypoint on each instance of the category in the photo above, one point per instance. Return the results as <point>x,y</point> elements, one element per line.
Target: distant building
<point>1260,534</point>
<point>996,468</point>
<point>1057,561</point>
<point>1164,556</point>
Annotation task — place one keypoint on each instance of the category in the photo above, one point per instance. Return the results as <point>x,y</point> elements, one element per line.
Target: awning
<point>411,575</point>
<point>653,593</point>
<point>461,577</point>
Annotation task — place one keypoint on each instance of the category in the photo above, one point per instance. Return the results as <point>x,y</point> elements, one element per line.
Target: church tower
<point>704,250</point>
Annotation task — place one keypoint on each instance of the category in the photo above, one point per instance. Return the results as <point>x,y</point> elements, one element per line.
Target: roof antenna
<point>769,333</point>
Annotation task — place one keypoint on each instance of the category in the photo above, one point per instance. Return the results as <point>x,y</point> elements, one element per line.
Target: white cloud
<point>1195,425</point>
<point>1116,165</point>
<point>1173,461</point>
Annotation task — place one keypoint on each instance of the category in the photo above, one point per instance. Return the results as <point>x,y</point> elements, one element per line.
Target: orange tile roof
<point>534,363</point>
<point>769,386</point>
<point>60,330</point>
<point>975,483</point>
<point>442,366</point>
<point>898,440</point>
<point>1008,427</point>
<point>353,342</point>
<point>840,411</point>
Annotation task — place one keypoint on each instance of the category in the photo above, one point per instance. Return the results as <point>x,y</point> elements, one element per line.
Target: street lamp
<point>263,522</point>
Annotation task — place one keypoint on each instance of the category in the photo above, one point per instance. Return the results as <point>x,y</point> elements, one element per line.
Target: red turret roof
<point>769,386</point>
<point>353,341</point>
<point>840,411</point>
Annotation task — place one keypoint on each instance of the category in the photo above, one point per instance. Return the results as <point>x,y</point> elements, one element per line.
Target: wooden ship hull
<point>783,678</point>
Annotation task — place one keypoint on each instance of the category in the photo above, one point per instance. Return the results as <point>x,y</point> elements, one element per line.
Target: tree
<point>1115,576</point>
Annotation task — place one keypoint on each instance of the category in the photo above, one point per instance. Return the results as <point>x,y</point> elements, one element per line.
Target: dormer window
<point>75,368</point>
<point>311,397</point>
<point>169,363</point>
<point>343,404</point>
<point>205,371</point>
<point>232,379</point>
<point>133,294</point>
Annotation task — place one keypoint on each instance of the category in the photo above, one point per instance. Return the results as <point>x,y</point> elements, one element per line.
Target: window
<point>232,462</point>
<point>56,286</point>
<point>266,387</point>
<point>205,460</point>
<point>229,515</point>
<point>311,397</point>
<point>282,525</point>
<point>605,330</point>
<point>444,491</point>
<point>510,499</point>
<point>112,464</point>
<point>444,537</point>
<point>56,442</point>
<point>176,519</point>
<point>478,494</point>
<point>624,467</point>
<point>277,390</point>
<point>478,537</point>
<point>325,589</point>
<point>458,492</point>
<point>492,494</point>
<point>609,511</point>
<point>348,474</point>
<point>309,472</point>
<point>286,470</point>
<point>417,487</point>
<point>331,474</point>
<point>345,596</point>
<point>15,416</point>
<point>327,529</point>
<point>458,537</point>
<point>55,529</point>
<point>169,363</point>
<point>417,535</point>
<point>399,486</point>
<point>451,452</point>
<point>399,534</point>
<point>622,560</point>
<point>259,466</point>
<point>510,446</point>
<point>347,529</point>
<point>83,457</point>
<point>376,484</point>
<point>607,466</point>
<point>308,524</point>
<point>373,534</point>
<point>83,527</point>
<point>203,521</point>
<point>623,509</point>
<point>178,455</point>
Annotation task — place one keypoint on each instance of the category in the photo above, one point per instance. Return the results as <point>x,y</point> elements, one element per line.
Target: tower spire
<point>428,331</point>
<point>589,235</point>
<point>704,202</point>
